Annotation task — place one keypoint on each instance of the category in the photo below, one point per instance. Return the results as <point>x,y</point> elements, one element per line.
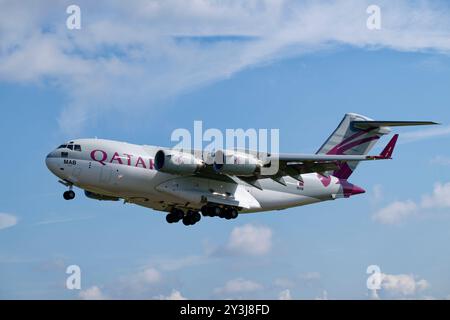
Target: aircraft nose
<point>49,161</point>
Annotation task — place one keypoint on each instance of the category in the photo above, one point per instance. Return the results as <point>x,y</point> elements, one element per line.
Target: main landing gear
<point>175,215</point>
<point>191,217</point>
<point>216,211</point>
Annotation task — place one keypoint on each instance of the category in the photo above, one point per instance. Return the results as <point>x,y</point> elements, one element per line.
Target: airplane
<point>186,186</point>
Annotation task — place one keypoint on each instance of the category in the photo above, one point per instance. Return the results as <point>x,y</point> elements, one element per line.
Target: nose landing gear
<point>69,195</point>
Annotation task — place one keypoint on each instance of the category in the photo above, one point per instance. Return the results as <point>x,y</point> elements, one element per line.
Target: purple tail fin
<point>357,135</point>
<point>348,139</point>
<point>389,149</point>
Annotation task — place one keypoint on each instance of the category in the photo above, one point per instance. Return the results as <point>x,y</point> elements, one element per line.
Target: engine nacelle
<point>177,162</point>
<point>236,163</point>
<point>98,196</point>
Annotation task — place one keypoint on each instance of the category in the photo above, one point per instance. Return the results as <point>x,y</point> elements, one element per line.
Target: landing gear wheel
<point>233,213</point>
<point>187,221</point>
<point>175,215</point>
<point>222,213</point>
<point>196,217</point>
<point>205,211</point>
<point>178,214</point>
<point>69,195</point>
<point>212,211</point>
<point>192,217</point>
<point>170,218</point>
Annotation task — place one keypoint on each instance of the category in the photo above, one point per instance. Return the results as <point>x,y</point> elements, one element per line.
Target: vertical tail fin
<point>357,135</point>
<point>350,140</point>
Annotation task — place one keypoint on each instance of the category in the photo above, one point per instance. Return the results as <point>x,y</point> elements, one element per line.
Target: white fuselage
<point>127,171</point>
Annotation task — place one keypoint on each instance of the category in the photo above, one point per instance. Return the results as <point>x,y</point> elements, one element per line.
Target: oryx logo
<point>326,180</point>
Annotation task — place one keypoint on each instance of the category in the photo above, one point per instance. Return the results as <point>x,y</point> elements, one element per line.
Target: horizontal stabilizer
<point>376,124</point>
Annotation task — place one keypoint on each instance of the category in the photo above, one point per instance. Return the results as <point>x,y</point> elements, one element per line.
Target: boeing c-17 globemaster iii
<point>228,183</point>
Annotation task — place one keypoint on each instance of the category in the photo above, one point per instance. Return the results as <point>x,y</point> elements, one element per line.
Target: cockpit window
<point>70,146</point>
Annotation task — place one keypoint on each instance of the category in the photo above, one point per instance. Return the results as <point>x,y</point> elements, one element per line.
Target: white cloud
<point>285,295</point>
<point>53,221</point>
<point>174,295</point>
<point>377,193</point>
<point>92,293</point>
<point>440,160</point>
<point>151,50</point>
<point>324,295</point>
<point>312,275</point>
<point>440,198</point>
<point>181,262</point>
<point>395,212</point>
<point>284,283</point>
<point>144,283</point>
<point>250,240</point>
<point>403,284</point>
<point>149,275</point>
<point>303,280</point>
<point>398,211</point>
<point>239,285</point>
<point>7,220</point>
<point>425,134</point>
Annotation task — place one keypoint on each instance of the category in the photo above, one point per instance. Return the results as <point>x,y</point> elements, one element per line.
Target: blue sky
<point>133,89</point>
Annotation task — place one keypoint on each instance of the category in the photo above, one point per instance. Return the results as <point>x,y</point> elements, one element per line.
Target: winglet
<point>389,149</point>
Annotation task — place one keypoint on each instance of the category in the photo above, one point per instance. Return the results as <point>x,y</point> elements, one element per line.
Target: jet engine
<point>98,196</point>
<point>236,163</point>
<point>177,162</point>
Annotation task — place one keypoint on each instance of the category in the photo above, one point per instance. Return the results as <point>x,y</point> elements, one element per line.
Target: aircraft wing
<point>327,158</point>
<point>292,157</point>
<point>305,163</point>
<point>294,165</point>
